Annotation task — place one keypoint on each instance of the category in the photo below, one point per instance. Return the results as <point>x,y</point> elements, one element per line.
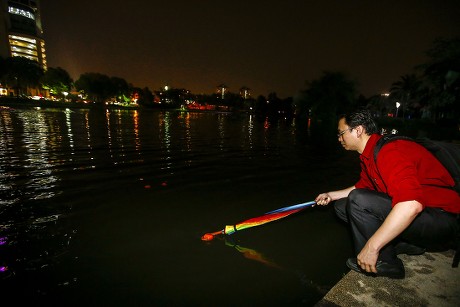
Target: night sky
<point>268,46</point>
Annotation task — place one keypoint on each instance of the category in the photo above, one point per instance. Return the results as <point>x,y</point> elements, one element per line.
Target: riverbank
<point>18,103</point>
<point>430,281</point>
<point>30,103</point>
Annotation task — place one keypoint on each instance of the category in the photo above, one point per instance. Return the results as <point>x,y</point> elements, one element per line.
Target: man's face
<point>345,135</point>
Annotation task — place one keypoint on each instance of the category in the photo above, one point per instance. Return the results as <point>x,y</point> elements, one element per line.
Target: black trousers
<point>366,210</point>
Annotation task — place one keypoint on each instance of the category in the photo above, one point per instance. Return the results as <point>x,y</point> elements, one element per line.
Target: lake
<point>103,207</point>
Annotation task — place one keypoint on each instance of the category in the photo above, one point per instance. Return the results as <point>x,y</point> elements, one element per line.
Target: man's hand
<point>367,258</point>
<point>323,199</point>
<point>400,217</point>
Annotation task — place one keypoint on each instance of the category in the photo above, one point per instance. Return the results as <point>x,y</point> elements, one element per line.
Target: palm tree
<point>407,91</point>
<point>442,73</point>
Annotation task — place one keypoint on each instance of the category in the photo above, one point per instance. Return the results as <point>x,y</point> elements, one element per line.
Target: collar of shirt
<point>368,152</point>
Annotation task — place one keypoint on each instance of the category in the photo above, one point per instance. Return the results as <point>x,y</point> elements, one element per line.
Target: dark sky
<point>268,46</point>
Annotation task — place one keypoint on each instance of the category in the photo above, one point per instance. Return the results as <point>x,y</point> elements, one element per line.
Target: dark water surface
<point>106,208</point>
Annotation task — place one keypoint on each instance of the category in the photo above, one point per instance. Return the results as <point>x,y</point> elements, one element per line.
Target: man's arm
<point>400,217</point>
<point>325,198</point>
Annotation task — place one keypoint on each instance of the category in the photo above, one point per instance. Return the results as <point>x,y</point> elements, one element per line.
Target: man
<point>404,203</point>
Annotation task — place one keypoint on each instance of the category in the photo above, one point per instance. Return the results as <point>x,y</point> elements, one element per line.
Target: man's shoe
<point>385,269</point>
<point>408,249</point>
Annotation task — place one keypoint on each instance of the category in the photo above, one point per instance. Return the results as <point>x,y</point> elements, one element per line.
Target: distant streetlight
<point>397,107</point>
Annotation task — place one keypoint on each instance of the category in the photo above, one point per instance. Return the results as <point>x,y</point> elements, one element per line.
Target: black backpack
<point>449,156</point>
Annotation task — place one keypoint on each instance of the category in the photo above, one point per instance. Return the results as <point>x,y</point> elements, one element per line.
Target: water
<point>107,207</point>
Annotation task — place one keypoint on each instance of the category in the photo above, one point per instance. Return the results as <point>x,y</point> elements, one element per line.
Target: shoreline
<point>19,103</point>
<point>430,281</point>
<point>29,103</point>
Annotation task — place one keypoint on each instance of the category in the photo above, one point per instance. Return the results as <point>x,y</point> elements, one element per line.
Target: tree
<point>119,89</point>
<point>442,75</point>
<point>325,98</point>
<point>21,73</point>
<point>330,95</point>
<point>145,96</point>
<point>97,86</point>
<point>261,105</point>
<point>406,91</point>
<point>57,81</point>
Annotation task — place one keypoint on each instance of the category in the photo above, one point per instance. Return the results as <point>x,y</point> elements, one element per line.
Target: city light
<point>16,11</point>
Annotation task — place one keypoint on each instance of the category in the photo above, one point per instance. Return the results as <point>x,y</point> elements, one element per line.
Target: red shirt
<point>407,171</point>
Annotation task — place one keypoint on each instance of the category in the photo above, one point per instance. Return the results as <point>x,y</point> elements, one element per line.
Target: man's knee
<point>368,202</point>
<point>343,206</point>
<point>340,209</point>
<point>355,200</point>
<point>358,196</point>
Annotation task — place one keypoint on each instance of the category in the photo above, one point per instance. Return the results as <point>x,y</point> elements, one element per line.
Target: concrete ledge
<point>430,281</point>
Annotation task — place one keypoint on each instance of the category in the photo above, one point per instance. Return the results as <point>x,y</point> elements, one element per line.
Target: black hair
<point>361,118</point>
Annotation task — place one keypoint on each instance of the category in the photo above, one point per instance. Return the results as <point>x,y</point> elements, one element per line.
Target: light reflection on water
<point>107,207</point>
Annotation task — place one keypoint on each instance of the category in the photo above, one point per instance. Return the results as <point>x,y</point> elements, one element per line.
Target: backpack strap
<point>387,139</point>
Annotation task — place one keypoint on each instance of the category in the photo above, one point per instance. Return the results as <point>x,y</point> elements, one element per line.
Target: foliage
<point>119,88</point>
<point>94,85</point>
<point>20,73</point>
<point>407,92</point>
<point>145,96</point>
<point>442,76</point>
<point>324,99</point>
<point>99,87</point>
<point>57,81</point>
<point>332,94</point>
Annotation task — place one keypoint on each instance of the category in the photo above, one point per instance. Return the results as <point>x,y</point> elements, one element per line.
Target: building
<point>21,32</point>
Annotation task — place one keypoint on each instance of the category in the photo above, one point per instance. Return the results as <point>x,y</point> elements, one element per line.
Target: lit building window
<point>24,51</point>
<point>22,38</point>
<point>22,44</point>
<point>23,13</point>
<point>25,56</point>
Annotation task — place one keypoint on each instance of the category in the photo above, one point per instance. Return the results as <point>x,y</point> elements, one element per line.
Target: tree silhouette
<point>99,87</point>
<point>21,73</point>
<point>324,99</point>
<point>94,85</point>
<point>57,81</point>
<point>119,89</point>
<point>406,91</point>
<point>332,94</point>
<point>442,75</point>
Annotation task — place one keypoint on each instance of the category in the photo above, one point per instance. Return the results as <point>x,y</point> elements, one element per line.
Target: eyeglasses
<point>343,132</point>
